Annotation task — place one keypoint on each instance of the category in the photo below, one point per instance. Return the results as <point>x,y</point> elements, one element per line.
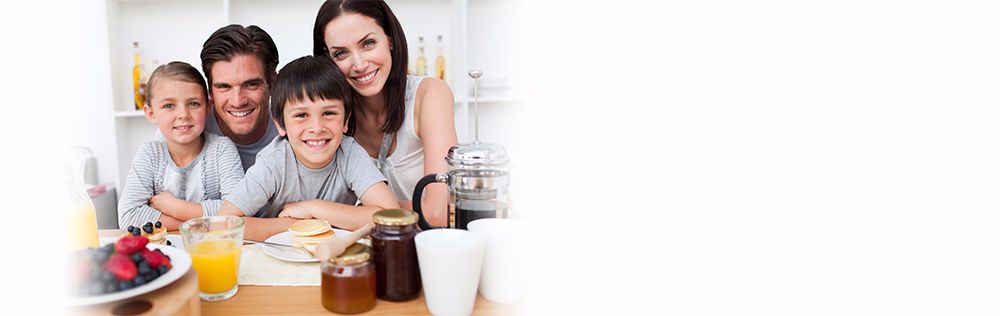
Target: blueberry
<point>107,277</point>
<point>144,267</point>
<point>149,277</point>
<point>168,244</point>
<point>139,280</point>
<point>136,232</point>
<point>158,224</point>
<point>148,228</point>
<point>124,285</point>
<point>136,257</point>
<point>162,270</point>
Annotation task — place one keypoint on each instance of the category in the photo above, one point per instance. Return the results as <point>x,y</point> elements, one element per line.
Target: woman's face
<point>362,51</point>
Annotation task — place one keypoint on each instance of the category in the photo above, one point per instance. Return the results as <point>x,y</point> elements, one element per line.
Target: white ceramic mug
<point>450,261</point>
<point>505,263</point>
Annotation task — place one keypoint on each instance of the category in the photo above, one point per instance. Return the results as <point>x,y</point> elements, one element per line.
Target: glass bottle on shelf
<point>421,60</point>
<point>81,216</point>
<point>439,61</point>
<point>138,86</point>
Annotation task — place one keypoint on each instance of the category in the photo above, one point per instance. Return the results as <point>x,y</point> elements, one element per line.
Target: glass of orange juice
<point>214,244</point>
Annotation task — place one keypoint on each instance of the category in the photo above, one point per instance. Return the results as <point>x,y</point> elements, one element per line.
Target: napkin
<point>259,268</point>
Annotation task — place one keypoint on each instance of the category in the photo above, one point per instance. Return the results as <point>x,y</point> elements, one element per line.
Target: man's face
<point>240,94</point>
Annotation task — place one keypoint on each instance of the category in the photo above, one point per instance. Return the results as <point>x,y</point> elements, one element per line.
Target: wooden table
<point>305,300</point>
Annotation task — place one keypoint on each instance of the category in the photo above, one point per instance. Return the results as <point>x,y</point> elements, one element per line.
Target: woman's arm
<point>435,125</point>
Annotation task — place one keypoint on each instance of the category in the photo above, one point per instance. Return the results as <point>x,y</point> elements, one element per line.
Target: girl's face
<point>178,108</point>
<point>362,51</point>
<point>314,129</point>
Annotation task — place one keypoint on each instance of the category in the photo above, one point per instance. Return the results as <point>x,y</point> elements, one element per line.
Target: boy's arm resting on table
<point>257,228</point>
<point>349,217</point>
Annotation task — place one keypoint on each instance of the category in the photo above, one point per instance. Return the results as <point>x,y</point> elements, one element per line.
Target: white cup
<point>505,264</point>
<point>450,261</point>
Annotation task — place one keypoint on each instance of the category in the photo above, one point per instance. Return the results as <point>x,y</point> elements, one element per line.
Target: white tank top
<point>405,166</point>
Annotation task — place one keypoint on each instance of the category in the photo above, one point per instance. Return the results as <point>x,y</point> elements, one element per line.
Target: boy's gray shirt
<point>278,178</point>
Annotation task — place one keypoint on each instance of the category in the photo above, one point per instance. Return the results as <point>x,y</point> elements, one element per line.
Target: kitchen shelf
<point>132,113</point>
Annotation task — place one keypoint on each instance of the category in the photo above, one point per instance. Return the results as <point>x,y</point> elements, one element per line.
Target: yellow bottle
<point>421,61</point>
<point>439,61</point>
<point>81,216</point>
<point>137,84</point>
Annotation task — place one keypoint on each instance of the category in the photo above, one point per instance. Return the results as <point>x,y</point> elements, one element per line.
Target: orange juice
<point>217,263</point>
<point>81,222</point>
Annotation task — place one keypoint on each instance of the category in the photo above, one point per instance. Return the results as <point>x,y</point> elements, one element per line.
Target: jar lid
<point>355,254</point>
<point>477,154</point>
<point>395,217</point>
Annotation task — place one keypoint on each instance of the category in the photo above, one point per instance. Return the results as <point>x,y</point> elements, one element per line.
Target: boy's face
<point>314,129</point>
<point>178,108</point>
<point>240,92</point>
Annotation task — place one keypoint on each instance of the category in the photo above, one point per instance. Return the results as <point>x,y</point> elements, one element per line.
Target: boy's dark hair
<point>312,78</point>
<point>395,85</point>
<point>176,70</point>
<point>235,39</point>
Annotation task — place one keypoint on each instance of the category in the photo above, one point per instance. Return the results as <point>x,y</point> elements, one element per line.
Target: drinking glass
<point>214,243</point>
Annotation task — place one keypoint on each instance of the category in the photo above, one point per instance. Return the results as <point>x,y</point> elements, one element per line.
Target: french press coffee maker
<point>477,179</point>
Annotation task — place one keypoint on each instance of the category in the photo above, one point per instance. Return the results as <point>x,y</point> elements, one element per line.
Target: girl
<point>187,173</point>
<point>406,123</point>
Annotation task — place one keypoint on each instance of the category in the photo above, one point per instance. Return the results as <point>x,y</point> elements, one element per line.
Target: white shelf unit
<point>169,30</point>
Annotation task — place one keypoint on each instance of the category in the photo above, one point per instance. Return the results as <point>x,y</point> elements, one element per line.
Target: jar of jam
<point>348,281</point>
<point>396,254</point>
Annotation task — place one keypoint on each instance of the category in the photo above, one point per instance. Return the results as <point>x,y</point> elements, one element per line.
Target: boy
<point>312,170</point>
<point>187,173</point>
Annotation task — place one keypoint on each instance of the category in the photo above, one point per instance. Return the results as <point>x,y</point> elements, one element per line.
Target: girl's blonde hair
<point>176,70</point>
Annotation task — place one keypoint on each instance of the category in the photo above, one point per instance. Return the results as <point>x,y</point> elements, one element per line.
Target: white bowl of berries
<point>129,267</point>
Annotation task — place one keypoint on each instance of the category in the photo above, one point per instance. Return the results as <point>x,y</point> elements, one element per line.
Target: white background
<point>707,158</point>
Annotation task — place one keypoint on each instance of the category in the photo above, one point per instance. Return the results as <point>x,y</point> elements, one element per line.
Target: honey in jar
<point>348,281</point>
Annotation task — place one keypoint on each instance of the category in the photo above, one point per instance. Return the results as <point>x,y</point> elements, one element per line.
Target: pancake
<point>314,238</point>
<point>309,227</point>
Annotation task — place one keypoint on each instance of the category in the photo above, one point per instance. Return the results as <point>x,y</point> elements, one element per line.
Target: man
<point>239,63</point>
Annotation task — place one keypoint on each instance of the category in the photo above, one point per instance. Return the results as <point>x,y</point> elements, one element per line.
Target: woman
<point>405,122</point>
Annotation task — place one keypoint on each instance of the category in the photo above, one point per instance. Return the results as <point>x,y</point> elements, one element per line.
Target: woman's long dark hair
<point>395,85</point>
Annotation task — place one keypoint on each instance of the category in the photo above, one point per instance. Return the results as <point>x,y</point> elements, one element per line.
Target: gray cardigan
<point>221,171</point>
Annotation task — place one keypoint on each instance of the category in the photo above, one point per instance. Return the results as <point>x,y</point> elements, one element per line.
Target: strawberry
<point>130,244</point>
<point>155,259</point>
<point>121,266</point>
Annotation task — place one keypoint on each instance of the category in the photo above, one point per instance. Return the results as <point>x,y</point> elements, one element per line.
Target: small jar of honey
<point>348,281</point>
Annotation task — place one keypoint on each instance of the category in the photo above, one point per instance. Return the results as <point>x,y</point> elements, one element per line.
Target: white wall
<point>91,123</point>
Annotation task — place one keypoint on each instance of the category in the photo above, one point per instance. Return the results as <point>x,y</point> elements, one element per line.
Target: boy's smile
<point>314,129</point>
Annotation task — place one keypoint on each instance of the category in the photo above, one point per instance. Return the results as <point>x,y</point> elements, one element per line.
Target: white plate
<point>179,260</point>
<point>285,238</point>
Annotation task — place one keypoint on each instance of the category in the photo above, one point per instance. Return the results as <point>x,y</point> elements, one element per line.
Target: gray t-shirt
<point>248,153</point>
<point>278,178</point>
